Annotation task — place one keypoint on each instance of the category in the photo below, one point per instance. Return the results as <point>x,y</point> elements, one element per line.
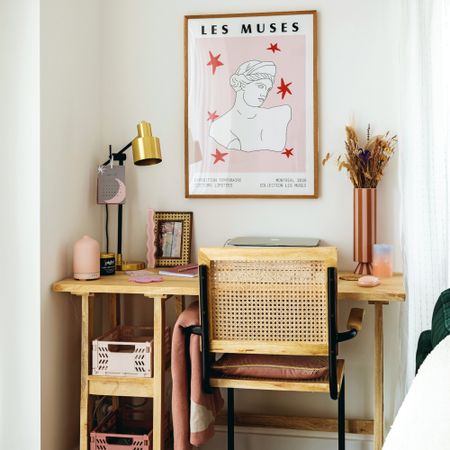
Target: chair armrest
<point>355,319</point>
<point>354,324</point>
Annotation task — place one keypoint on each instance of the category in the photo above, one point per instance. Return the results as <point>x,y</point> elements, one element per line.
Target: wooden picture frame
<point>173,234</point>
<point>234,146</point>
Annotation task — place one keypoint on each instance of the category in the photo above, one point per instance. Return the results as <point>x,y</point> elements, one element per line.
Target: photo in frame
<point>173,232</point>
<point>251,105</point>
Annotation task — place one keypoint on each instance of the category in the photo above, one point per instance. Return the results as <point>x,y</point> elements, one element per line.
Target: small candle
<point>382,260</point>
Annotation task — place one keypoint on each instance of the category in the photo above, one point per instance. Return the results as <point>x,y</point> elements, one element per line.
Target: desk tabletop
<point>390,290</point>
<point>119,284</point>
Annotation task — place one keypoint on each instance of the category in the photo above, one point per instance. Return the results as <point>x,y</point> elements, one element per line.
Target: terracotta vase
<point>364,227</point>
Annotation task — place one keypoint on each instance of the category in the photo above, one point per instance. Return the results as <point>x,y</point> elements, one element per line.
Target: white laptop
<point>264,241</point>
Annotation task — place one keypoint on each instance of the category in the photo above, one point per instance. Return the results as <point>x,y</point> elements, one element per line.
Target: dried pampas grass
<point>365,164</point>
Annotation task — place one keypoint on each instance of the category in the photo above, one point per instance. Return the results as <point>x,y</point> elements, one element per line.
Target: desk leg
<point>114,320</point>
<point>86,336</point>
<point>114,311</point>
<point>180,304</point>
<point>159,365</point>
<point>379,378</point>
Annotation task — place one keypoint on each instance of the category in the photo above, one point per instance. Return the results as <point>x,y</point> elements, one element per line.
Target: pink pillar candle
<point>382,261</point>
<point>86,259</point>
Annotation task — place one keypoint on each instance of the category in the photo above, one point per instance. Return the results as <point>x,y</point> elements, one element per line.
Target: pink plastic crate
<point>119,432</point>
<point>126,351</point>
<point>126,429</point>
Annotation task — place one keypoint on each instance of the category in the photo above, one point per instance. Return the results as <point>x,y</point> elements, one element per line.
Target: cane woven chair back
<point>268,301</point>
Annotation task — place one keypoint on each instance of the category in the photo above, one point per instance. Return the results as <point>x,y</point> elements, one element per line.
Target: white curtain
<point>424,147</point>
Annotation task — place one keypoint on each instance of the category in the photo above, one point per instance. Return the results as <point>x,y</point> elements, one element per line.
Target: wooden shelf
<point>120,386</point>
<point>356,426</point>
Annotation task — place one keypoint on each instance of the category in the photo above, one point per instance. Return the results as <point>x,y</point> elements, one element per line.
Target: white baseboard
<point>274,438</point>
<point>279,439</point>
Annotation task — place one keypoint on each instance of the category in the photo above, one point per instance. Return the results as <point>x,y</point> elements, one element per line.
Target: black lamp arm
<point>119,152</point>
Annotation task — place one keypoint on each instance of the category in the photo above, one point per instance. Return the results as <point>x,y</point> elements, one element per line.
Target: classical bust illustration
<point>248,126</point>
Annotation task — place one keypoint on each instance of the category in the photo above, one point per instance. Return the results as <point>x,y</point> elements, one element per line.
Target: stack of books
<point>188,270</point>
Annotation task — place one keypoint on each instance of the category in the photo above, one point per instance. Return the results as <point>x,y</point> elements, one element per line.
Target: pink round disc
<point>154,279</point>
<point>368,281</point>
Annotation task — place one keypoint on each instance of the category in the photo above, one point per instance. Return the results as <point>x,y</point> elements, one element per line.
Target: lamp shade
<point>146,150</point>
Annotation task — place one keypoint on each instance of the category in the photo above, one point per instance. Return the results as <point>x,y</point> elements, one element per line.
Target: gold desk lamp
<point>146,152</point>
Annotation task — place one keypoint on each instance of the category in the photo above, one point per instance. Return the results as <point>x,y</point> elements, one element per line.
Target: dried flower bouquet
<point>365,164</point>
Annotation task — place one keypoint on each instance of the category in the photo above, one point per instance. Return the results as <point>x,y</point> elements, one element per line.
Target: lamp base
<point>130,265</point>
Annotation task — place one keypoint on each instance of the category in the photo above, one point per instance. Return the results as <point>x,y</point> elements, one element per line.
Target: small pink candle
<point>382,263</point>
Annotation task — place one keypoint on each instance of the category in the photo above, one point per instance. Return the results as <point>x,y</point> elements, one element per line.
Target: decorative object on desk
<point>146,152</point>
<point>143,276</point>
<point>382,260</point>
<point>188,271</point>
<point>173,232</point>
<point>86,259</point>
<point>364,227</point>
<point>111,188</point>
<point>251,114</point>
<point>365,164</point>
<point>146,279</point>
<point>151,238</point>
<point>368,281</point>
<point>107,263</point>
<point>139,273</point>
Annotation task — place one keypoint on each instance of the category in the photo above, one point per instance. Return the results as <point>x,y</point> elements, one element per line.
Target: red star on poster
<point>283,89</point>
<point>288,152</point>
<point>212,116</point>
<point>218,156</point>
<point>274,47</point>
<point>214,62</point>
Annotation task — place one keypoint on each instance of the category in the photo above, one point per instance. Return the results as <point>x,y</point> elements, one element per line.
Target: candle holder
<point>382,261</point>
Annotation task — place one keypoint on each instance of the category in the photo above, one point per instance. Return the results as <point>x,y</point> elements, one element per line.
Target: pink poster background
<point>210,93</point>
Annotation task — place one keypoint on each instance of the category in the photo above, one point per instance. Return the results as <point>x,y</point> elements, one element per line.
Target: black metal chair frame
<point>334,337</point>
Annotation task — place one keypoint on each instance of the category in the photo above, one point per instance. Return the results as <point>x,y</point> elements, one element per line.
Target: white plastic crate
<point>126,351</point>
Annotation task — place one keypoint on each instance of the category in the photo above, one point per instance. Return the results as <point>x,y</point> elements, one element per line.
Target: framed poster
<point>251,105</point>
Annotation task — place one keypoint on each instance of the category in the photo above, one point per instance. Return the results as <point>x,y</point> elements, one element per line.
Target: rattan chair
<point>277,301</point>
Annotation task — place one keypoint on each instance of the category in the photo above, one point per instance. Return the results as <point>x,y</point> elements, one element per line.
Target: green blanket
<point>440,328</point>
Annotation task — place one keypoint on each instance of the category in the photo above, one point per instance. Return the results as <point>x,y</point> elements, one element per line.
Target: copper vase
<point>364,227</point>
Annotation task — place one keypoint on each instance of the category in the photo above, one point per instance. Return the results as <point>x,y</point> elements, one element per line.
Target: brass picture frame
<point>173,234</point>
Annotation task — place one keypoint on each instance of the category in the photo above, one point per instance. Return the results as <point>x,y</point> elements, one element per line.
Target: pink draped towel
<point>193,419</point>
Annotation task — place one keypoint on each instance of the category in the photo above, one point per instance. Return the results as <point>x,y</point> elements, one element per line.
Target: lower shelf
<point>120,386</point>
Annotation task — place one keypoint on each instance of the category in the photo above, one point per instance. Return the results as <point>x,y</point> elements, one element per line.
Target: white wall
<point>19,225</point>
<point>70,142</point>
<point>105,66</point>
<point>143,79</point>
<point>358,79</point>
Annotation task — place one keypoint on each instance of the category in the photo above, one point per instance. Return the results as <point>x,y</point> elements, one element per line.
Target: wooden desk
<point>391,290</point>
<point>122,386</point>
